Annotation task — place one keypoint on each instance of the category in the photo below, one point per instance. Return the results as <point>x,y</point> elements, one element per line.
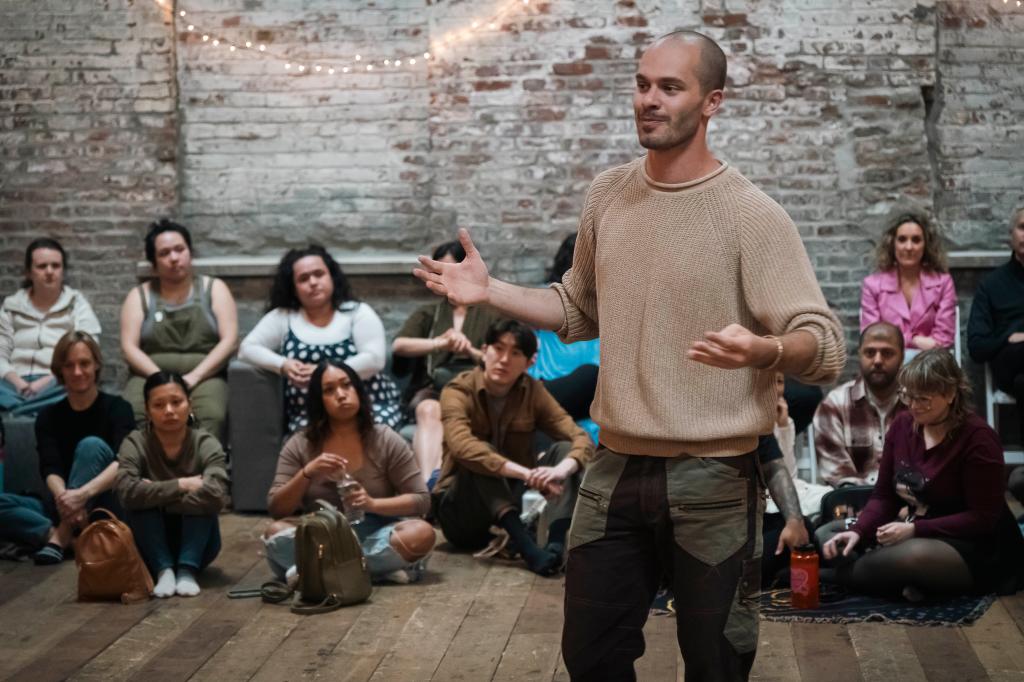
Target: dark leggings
<point>932,566</point>
<point>575,391</point>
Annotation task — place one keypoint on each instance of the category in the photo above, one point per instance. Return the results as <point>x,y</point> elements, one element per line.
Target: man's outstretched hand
<point>463,283</point>
<point>732,348</point>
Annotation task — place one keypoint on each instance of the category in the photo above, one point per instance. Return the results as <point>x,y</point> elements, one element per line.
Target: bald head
<point>882,331</point>
<point>711,69</point>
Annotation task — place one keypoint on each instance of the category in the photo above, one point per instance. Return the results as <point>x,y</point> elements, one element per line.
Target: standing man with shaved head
<point>700,290</point>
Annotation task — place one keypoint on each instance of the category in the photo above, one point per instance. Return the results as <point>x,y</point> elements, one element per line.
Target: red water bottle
<point>803,577</point>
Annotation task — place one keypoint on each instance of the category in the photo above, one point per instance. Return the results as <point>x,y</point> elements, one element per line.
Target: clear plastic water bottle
<point>346,486</point>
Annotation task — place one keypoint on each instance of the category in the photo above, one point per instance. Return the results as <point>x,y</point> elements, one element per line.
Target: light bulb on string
<point>398,62</point>
<point>232,48</point>
<point>387,62</point>
<point>205,37</point>
<point>344,69</point>
<point>181,13</point>
<point>359,57</point>
<point>263,48</point>
<point>331,71</point>
<point>369,67</point>
<point>248,43</point>
<point>302,67</point>
<point>288,65</point>
<point>216,42</point>
<point>190,27</point>
<point>426,55</point>
<point>412,60</point>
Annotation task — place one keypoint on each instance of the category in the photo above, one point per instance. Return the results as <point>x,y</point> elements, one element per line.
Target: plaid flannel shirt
<point>849,432</point>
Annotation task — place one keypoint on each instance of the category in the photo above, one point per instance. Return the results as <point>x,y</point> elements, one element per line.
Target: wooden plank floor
<point>468,620</point>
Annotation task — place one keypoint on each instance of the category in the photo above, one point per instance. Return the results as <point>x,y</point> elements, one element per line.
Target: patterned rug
<point>837,606</point>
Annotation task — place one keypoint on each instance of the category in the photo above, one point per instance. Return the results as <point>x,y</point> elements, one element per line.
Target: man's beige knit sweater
<point>656,266</point>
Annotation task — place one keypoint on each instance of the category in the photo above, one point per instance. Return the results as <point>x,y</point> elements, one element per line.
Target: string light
<point>445,42</point>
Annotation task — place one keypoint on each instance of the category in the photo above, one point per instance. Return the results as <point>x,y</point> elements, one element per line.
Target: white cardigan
<point>262,346</point>
<point>28,335</point>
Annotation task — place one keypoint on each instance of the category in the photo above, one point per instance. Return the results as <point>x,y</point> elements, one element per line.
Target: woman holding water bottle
<point>366,469</point>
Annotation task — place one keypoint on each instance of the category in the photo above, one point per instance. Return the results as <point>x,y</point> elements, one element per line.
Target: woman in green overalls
<point>179,322</point>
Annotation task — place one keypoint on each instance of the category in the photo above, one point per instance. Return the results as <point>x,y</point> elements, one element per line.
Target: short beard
<point>674,138</point>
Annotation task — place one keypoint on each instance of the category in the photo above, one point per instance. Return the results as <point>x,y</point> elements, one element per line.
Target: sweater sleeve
<point>85,319</point>
<point>780,288</point>
<point>402,471</point>
<point>291,459</point>
<point>212,467</point>
<point>260,346</point>
<point>370,341</point>
<point>944,330</point>
<point>476,454</point>
<point>982,341</point>
<point>6,341</point>
<point>578,288</point>
<point>132,490</point>
<point>983,486</point>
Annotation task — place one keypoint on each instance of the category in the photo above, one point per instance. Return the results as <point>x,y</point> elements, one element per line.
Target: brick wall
<point>110,115</point>
<point>88,139</point>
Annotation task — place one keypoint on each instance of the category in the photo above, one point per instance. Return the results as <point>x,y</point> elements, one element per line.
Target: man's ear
<point>533,359</point>
<point>713,103</point>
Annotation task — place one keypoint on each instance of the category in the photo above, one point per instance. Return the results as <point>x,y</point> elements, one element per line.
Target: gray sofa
<point>21,463</point>
<point>255,432</point>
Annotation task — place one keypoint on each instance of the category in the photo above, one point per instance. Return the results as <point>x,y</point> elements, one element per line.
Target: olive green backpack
<point>330,563</point>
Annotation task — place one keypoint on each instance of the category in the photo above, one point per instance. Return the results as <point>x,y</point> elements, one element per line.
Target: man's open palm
<point>463,283</point>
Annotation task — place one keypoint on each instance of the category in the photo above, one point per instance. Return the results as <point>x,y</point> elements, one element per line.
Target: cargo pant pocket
<point>708,506</point>
<point>742,625</point>
<point>590,515</point>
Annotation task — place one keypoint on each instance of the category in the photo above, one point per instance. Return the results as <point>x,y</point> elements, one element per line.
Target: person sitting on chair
<point>995,328</point>
<point>850,424</point>
<point>945,465</point>
<point>489,415</point>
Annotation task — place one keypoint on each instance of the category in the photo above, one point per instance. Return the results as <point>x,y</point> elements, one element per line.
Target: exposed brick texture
<point>111,114</point>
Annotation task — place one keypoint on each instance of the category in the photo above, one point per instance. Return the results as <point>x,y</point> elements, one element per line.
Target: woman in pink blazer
<point>912,288</point>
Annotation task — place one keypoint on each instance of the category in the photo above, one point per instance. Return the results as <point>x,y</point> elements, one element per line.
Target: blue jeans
<point>27,520</point>
<point>17,404</point>
<point>168,540</point>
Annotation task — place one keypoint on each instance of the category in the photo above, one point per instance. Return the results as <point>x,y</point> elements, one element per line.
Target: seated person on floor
<point>76,439</point>
<point>995,328</point>
<point>945,465</point>
<point>568,370</point>
<point>32,320</point>
<point>490,414</point>
<point>341,438</point>
<point>912,288</point>
<point>792,501</point>
<point>179,322</point>
<point>173,483</point>
<point>313,316</point>
<point>436,343</point>
<point>850,424</point>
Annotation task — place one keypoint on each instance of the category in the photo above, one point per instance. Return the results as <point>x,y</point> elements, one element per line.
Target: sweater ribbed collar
<point>676,187</point>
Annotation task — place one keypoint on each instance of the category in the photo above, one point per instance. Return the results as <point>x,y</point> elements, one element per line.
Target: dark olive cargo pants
<point>696,522</point>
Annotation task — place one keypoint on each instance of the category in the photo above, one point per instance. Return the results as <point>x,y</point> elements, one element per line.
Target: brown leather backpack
<point>109,564</point>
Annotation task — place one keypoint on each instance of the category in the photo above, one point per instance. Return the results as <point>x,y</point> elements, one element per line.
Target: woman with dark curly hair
<point>312,316</point>
<point>944,465</point>
<point>912,288</point>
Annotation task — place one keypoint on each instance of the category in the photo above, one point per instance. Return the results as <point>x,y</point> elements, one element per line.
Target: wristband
<point>778,353</point>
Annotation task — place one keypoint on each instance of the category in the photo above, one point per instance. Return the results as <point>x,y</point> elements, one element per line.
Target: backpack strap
<point>330,603</point>
<point>273,592</point>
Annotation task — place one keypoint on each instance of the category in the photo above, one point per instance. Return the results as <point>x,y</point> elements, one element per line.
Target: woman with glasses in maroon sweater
<point>937,521</point>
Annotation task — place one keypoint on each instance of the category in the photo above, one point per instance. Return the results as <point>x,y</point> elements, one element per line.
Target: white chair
<point>808,460</point>
<point>993,399</point>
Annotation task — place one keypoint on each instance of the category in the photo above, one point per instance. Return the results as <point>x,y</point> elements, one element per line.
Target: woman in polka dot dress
<point>312,317</point>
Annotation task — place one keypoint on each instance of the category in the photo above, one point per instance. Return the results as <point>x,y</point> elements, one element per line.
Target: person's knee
<point>94,448</point>
<point>428,410</point>
<point>413,539</point>
<point>275,527</point>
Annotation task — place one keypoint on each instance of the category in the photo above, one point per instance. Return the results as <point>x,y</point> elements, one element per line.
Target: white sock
<point>164,584</point>
<point>187,585</point>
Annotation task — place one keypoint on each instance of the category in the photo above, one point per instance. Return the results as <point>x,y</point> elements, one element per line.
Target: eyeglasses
<point>923,401</point>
